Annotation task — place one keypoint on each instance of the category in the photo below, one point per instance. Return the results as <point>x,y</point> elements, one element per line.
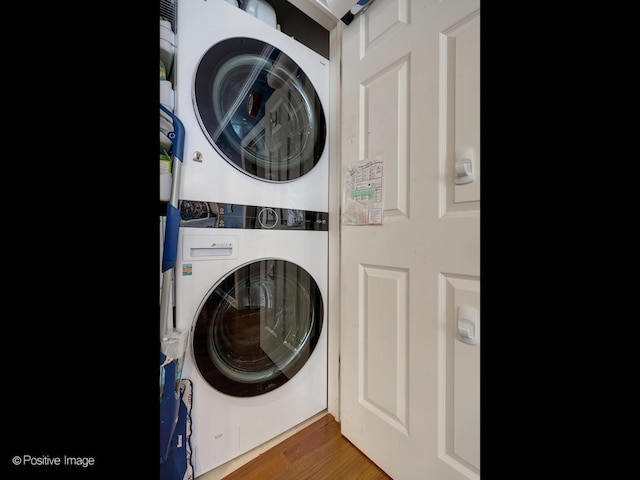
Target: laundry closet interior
<point>248,221</point>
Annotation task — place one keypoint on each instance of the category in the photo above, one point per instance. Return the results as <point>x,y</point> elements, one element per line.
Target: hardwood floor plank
<point>317,452</point>
<point>269,466</point>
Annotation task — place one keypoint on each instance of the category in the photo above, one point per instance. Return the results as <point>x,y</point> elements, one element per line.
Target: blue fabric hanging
<point>169,404</point>
<point>175,425</point>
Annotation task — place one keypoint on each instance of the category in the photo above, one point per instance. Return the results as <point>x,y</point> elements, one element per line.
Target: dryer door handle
<point>215,250</point>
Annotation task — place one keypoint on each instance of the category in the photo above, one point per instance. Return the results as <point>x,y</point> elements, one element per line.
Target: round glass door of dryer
<point>259,110</point>
<point>257,327</point>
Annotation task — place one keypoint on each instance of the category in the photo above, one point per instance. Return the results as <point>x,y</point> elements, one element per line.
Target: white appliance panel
<point>202,24</point>
<point>225,426</point>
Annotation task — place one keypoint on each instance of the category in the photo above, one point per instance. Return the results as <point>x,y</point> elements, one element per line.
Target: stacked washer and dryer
<point>252,261</point>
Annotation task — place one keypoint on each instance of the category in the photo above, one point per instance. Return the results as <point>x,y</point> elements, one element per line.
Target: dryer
<point>254,102</point>
<point>252,287</point>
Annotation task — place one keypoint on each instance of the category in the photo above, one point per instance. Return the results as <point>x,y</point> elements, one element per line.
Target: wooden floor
<point>317,452</point>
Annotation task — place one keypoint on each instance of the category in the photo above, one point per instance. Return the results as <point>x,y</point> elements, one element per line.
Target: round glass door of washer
<point>257,327</point>
<point>259,110</point>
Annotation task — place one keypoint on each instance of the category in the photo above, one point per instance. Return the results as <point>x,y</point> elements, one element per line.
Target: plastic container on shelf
<point>166,178</point>
<point>166,94</point>
<point>167,45</point>
<point>262,10</point>
<point>163,71</point>
<point>166,145</point>
<point>165,127</point>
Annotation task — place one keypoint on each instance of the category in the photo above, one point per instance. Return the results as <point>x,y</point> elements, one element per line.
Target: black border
<point>82,249</point>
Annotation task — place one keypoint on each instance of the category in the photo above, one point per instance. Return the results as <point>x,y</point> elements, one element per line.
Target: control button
<point>268,217</point>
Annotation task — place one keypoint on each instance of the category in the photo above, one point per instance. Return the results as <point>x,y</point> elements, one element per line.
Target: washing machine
<point>253,286</point>
<point>254,102</point>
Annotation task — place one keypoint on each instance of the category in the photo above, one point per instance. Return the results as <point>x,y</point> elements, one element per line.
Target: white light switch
<point>467,325</point>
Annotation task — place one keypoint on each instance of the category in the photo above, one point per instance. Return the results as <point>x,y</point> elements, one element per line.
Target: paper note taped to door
<point>362,194</point>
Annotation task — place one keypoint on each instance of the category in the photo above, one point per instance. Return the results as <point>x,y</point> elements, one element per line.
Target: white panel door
<point>410,288</point>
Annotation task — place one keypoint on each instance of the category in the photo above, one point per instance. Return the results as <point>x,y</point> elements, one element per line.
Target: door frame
<point>335,196</point>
